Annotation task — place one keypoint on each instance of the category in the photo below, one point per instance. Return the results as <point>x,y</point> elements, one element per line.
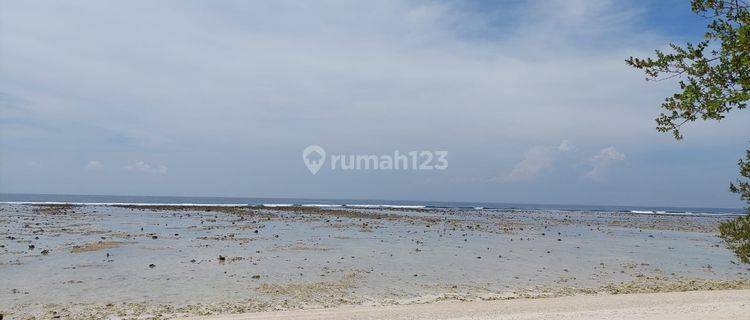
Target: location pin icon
<point>314,157</point>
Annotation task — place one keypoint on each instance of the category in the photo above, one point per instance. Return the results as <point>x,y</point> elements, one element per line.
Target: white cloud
<point>537,159</point>
<point>602,160</point>
<point>142,166</point>
<point>394,61</point>
<point>565,146</point>
<point>609,154</point>
<point>94,165</point>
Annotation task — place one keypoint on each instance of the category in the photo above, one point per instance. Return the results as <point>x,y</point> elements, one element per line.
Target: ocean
<point>355,203</point>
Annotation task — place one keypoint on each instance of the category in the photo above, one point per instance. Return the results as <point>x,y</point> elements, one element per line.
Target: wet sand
<point>170,261</point>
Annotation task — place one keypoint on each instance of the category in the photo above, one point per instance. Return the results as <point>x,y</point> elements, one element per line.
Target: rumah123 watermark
<point>315,158</point>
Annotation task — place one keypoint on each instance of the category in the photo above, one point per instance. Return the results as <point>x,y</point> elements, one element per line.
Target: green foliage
<point>736,233</point>
<point>714,73</point>
<point>714,78</point>
<point>743,186</point>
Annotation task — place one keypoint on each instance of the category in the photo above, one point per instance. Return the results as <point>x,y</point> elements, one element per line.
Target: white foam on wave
<point>391,206</point>
<point>686,213</point>
<point>405,207</point>
<point>321,205</point>
<point>277,205</point>
<point>641,211</point>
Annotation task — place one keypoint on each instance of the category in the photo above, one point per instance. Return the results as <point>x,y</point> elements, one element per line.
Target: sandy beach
<point>696,305</point>
<point>143,262</point>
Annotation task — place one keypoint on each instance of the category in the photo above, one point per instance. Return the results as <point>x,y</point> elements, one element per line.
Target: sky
<point>532,100</point>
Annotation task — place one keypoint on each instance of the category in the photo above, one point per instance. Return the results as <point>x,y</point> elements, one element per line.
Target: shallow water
<point>334,256</point>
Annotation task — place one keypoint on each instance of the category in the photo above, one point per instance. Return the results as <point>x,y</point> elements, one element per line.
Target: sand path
<point>715,305</point>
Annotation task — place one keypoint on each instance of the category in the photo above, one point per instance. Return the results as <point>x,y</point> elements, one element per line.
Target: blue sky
<point>532,100</point>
